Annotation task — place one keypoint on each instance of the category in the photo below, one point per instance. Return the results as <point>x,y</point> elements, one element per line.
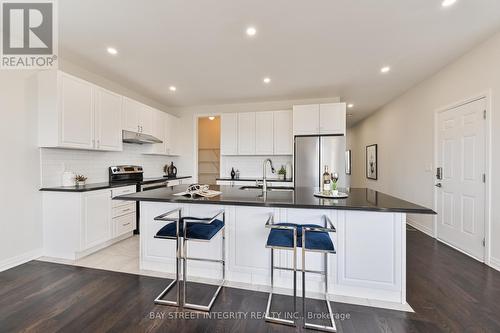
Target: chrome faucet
<point>264,178</point>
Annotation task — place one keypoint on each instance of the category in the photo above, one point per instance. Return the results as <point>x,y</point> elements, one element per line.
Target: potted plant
<point>80,180</point>
<point>282,173</point>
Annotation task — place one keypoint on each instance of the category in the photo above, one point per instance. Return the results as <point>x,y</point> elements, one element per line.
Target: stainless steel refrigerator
<point>312,153</point>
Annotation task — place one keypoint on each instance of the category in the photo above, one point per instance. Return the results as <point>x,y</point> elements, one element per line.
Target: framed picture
<point>371,162</point>
<point>348,162</point>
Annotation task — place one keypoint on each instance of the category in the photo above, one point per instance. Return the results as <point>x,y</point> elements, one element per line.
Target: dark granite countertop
<point>228,179</point>
<point>106,185</point>
<point>302,197</point>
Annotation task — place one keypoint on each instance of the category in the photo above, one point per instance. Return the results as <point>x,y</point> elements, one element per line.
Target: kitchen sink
<point>269,189</point>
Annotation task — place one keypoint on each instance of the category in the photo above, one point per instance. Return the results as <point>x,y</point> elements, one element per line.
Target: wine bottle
<point>326,181</point>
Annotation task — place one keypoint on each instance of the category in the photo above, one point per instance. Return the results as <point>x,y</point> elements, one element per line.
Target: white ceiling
<point>310,49</point>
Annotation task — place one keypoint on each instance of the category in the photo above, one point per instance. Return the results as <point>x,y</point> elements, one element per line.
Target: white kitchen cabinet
<point>77,224</point>
<point>172,135</point>
<point>65,111</point>
<point>73,113</point>
<point>246,133</point>
<point>318,119</point>
<point>306,119</point>
<point>108,117</point>
<point>146,120</point>
<point>332,118</point>
<point>137,117</point>
<point>229,134</point>
<point>283,132</point>
<point>159,131</point>
<point>264,133</point>
<point>131,111</point>
<point>96,222</point>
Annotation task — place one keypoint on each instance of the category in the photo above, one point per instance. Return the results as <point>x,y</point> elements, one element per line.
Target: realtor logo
<point>28,35</point>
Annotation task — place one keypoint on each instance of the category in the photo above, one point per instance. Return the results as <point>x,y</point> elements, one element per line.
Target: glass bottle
<point>326,181</point>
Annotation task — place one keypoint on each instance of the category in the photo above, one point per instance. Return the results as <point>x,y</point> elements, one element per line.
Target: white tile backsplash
<point>251,166</point>
<point>95,164</point>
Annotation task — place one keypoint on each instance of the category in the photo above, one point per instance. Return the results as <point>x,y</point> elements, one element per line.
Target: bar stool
<point>191,229</point>
<point>311,238</point>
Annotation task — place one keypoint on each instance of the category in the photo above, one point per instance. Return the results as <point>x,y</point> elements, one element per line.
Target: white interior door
<point>461,191</point>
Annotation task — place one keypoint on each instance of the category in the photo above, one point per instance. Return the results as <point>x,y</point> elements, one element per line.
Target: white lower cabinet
<point>369,263</point>
<point>96,223</point>
<point>77,224</point>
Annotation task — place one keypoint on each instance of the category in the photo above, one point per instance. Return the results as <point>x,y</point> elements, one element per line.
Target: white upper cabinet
<point>146,120</point>
<point>108,117</point>
<point>77,113</point>
<point>137,117</point>
<point>257,133</point>
<point>166,127</point>
<point>73,113</point>
<point>172,135</point>
<point>317,119</point>
<point>246,133</point>
<point>305,119</point>
<point>159,131</point>
<point>229,134</point>
<point>264,133</point>
<point>332,118</point>
<point>283,136</point>
<point>131,113</point>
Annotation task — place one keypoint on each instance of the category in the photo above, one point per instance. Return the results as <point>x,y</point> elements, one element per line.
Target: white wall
<point>189,115</point>
<point>20,201</point>
<point>404,132</point>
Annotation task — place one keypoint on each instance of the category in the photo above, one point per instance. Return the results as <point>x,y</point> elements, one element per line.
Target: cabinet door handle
<point>126,224</point>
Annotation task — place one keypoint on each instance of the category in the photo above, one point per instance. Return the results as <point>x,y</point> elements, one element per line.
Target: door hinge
<point>484,114</point>
<point>484,178</point>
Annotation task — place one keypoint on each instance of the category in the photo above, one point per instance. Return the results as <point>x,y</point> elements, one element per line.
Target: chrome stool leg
<point>178,257</point>
<point>331,328</point>
<point>267,316</point>
<point>222,261</point>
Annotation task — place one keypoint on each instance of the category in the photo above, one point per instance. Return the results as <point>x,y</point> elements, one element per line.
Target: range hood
<point>139,138</point>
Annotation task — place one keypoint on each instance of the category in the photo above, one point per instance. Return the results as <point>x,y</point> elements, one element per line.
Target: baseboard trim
<point>494,263</point>
<point>20,259</point>
<point>420,227</point>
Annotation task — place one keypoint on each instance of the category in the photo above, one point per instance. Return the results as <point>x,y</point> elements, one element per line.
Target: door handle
<point>439,185</point>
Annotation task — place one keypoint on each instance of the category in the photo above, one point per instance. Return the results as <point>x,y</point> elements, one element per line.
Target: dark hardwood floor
<point>448,291</point>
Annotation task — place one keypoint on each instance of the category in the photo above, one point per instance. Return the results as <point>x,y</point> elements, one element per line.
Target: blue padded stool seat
<point>202,231</point>
<point>315,240</point>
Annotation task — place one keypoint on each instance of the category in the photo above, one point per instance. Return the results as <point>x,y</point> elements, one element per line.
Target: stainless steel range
<point>134,175</point>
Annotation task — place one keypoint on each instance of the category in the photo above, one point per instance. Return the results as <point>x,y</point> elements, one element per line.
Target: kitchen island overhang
<point>370,263</point>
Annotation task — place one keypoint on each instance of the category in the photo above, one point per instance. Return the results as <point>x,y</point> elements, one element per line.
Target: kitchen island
<point>370,263</point>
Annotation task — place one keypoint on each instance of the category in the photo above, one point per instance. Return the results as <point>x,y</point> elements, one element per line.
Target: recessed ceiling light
<point>251,31</point>
<point>172,88</point>
<point>112,50</point>
<point>448,3</point>
<point>266,80</point>
<point>385,69</point>
<point>211,117</point>
<point>350,106</point>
